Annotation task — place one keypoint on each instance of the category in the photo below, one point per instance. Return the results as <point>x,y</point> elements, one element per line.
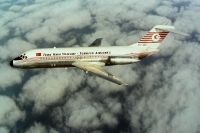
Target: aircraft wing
<point>99,71</point>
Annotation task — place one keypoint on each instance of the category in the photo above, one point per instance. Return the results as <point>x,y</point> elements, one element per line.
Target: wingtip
<point>124,84</point>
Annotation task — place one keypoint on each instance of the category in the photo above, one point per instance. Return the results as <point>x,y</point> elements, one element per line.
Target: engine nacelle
<point>120,61</point>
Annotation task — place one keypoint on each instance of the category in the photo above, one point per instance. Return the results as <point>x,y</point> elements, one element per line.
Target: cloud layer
<point>9,113</point>
<point>163,93</point>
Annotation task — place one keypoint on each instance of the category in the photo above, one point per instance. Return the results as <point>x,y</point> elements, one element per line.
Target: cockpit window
<point>18,58</point>
<point>21,57</point>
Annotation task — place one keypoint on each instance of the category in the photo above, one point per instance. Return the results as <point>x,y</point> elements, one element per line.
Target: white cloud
<point>9,112</point>
<point>49,87</point>
<point>15,8</point>
<point>169,94</point>
<point>37,128</point>
<point>14,47</point>
<point>4,32</point>
<point>188,20</point>
<point>4,130</point>
<point>49,25</point>
<point>53,131</point>
<point>85,117</point>
<point>9,76</point>
<point>69,20</point>
<point>84,110</point>
<point>167,11</point>
<point>164,93</point>
<point>40,128</point>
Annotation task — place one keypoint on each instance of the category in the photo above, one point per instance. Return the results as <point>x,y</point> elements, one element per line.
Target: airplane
<point>93,58</point>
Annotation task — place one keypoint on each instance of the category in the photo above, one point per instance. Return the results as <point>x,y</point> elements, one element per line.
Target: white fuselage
<point>64,57</point>
<point>92,59</point>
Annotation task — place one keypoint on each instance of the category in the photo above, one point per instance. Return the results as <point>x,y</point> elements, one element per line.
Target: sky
<point>163,93</point>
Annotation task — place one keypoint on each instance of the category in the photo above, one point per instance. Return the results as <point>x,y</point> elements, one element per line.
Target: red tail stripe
<point>150,42</point>
<point>150,37</point>
<point>147,39</point>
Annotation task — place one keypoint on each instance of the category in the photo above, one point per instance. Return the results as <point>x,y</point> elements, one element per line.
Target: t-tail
<point>155,37</point>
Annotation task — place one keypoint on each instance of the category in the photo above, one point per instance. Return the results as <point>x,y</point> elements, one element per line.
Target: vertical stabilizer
<point>156,35</point>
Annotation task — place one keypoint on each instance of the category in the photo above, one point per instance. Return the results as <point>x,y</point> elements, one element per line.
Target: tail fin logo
<point>155,37</point>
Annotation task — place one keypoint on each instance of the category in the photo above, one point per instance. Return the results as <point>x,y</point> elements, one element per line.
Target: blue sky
<point>163,95</point>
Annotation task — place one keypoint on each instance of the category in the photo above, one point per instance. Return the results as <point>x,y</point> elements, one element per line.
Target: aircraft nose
<point>11,63</point>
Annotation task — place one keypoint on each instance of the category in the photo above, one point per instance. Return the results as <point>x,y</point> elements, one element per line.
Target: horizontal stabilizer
<point>97,42</point>
<point>169,29</point>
